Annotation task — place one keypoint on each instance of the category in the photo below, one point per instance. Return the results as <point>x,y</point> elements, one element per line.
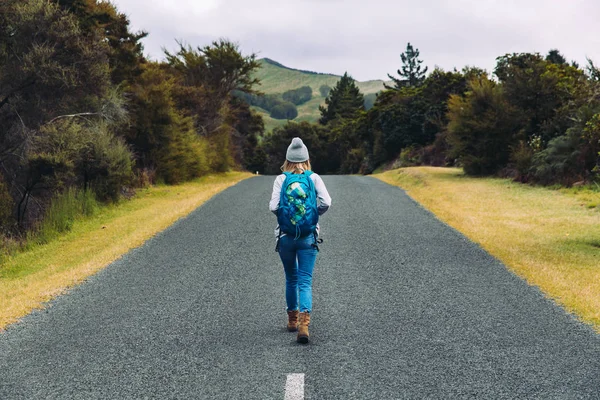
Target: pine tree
<point>343,101</point>
<point>411,74</point>
<point>593,71</point>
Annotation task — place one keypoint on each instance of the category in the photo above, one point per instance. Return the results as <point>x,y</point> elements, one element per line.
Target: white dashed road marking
<point>294,387</point>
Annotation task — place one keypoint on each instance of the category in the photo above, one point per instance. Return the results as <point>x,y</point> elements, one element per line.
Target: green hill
<point>276,78</point>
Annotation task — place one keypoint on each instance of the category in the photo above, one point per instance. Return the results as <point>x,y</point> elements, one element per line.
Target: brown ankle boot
<point>304,321</point>
<point>292,321</point>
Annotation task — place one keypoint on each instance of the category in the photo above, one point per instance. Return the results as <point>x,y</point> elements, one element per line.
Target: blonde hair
<point>296,167</point>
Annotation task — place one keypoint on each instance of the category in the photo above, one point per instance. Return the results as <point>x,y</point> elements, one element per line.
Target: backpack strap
<point>278,240</point>
<point>287,175</point>
<point>311,184</point>
<point>314,191</point>
<point>317,242</point>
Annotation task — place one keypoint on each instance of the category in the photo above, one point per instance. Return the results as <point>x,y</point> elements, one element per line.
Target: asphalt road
<point>404,307</point>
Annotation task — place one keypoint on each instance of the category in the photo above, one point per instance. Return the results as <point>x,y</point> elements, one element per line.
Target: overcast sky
<point>366,37</point>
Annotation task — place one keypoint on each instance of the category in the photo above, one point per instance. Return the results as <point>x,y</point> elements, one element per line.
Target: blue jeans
<point>298,257</point>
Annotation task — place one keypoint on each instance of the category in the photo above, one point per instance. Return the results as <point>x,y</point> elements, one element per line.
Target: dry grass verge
<point>29,279</point>
<point>549,237</point>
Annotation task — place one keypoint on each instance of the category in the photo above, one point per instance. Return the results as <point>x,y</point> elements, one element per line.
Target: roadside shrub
<point>409,157</point>
<point>55,154</point>
<point>572,157</point>
<point>221,159</point>
<point>184,157</point>
<point>435,154</point>
<point>68,153</point>
<point>107,164</point>
<point>165,137</point>
<point>144,177</point>
<point>560,162</point>
<point>353,161</point>
<point>521,158</point>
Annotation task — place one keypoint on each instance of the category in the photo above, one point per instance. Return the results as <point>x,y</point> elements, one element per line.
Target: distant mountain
<point>275,63</point>
<point>276,78</point>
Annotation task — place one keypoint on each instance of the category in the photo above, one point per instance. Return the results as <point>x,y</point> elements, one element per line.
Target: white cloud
<point>366,37</point>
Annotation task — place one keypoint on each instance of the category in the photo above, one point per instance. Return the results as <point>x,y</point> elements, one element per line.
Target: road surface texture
<point>404,308</point>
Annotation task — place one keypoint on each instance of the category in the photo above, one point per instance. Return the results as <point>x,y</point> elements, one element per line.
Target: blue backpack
<point>297,214</point>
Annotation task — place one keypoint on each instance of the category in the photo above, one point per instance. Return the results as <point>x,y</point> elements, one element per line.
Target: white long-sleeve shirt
<point>323,198</point>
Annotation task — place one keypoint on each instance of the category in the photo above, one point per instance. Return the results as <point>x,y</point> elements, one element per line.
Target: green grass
<point>550,237</point>
<point>588,196</point>
<point>309,111</point>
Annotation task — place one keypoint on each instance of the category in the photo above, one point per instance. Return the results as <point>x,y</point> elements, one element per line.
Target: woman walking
<point>299,197</point>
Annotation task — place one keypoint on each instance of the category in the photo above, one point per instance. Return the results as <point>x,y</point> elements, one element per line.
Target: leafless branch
<point>21,119</point>
<point>85,114</point>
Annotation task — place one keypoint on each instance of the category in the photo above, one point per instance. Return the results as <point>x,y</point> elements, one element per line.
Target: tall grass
<point>64,210</point>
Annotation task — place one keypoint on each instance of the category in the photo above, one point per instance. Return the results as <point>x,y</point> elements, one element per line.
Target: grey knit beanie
<point>297,151</point>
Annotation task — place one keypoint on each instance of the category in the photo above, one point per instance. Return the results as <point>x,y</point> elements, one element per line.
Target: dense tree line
<point>82,109</point>
<point>537,119</point>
